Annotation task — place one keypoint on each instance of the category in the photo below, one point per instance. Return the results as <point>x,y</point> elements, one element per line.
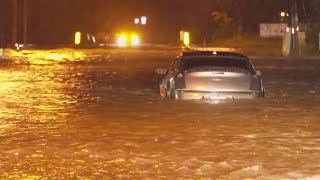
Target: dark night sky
<point>54,21</point>
<point>110,15</point>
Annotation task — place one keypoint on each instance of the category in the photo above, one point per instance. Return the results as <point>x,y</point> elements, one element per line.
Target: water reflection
<point>106,120</point>
<point>37,94</point>
<point>42,57</point>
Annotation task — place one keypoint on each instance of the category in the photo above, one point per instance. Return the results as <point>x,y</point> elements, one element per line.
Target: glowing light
<point>288,29</point>
<point>186,38</point>
<point>136,21</point>
<point>122,40</point>
<point>181,35</point>
<point>77,38</point>
<point>128,39</point>
<point>45,56</point>
<point>284,14</point>
<point>18,46</point>
<point>216,49</point>
<point>135,40</point>
<point>143,20</point>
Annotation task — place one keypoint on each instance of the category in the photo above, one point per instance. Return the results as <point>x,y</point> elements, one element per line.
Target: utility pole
<point>294,48</point>
<point>25,22</point>
<point>14,22</point>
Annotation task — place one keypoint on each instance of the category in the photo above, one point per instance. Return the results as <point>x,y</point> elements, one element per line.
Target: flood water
<point>99,116</point>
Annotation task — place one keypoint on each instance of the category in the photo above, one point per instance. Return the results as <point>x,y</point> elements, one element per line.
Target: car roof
<point>213,53</point>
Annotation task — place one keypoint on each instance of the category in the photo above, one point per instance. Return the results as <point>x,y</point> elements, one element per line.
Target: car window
<point>227,62</point>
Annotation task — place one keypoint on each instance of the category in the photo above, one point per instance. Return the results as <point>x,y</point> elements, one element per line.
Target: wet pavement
<point>96,114</point>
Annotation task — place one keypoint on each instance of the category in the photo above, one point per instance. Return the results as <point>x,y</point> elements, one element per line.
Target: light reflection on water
<point>106,120</point>
<point>36,94</point>
<point>42,57</point>
<point>26,89</point>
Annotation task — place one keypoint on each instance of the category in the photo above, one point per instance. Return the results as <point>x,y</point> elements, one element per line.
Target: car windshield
<point>221,62</point>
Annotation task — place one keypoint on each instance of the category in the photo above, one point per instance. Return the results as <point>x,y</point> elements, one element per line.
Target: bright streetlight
<point>136,21</point>
<point>284,14</point>
<point>143,20</point>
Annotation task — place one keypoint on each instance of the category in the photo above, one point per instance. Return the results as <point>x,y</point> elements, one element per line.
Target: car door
<point>167,83</point>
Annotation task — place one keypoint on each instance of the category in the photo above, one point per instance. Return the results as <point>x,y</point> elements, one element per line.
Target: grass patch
<point>307,51</point>
<point>253,45</point>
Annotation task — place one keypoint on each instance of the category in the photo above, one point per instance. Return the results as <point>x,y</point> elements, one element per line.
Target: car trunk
<point>219,81</point>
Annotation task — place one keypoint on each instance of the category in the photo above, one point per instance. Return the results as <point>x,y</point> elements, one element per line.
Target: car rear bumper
<point>196,94</point>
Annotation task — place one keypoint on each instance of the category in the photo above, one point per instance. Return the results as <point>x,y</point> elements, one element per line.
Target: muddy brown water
<point>102,118</point>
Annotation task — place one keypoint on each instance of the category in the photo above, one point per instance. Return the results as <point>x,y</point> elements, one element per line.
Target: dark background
<point>55,21</point>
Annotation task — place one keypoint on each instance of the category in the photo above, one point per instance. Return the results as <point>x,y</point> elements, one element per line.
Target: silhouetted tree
<point>247,14</point>
<point>314,24</point>
<point>223,24</point>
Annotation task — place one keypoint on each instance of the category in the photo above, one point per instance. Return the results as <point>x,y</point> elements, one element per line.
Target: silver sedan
<point>211,75</point>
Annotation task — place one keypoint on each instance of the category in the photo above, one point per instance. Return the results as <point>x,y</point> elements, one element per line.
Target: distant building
<point>270,30</point>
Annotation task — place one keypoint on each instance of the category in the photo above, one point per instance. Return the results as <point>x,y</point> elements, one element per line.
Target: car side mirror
<point>161,71</point>
<point>259,73</point>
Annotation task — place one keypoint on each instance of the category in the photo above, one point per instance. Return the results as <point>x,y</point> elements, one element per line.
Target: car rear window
<point>227,62</point>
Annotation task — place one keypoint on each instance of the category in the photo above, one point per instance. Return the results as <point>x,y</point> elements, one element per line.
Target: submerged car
<point>211,75</point>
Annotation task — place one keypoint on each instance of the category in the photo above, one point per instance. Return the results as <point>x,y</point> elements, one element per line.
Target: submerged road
<point>96,114</point>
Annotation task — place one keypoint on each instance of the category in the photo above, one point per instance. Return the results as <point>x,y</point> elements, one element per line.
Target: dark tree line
<point>243,16</point>
<point>313,24</point>
<point>52,21</point>
<point>247,14</point>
